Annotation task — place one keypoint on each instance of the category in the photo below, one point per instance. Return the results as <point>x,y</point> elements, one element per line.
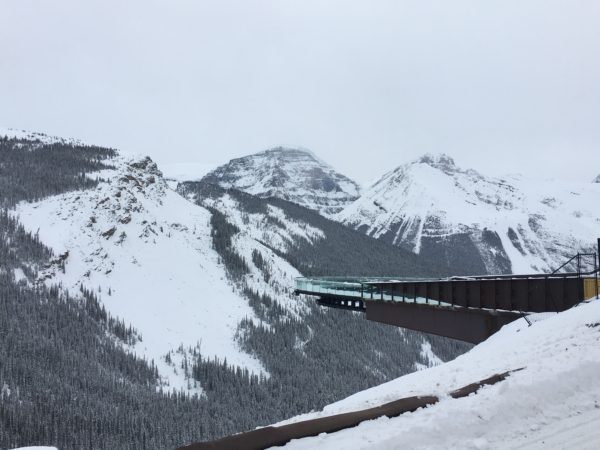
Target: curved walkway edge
<point>273,436</point>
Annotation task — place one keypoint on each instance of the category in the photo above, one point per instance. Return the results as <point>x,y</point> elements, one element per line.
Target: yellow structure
<point>590,289</point>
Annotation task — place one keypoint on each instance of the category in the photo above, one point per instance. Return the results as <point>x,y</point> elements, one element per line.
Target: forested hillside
<point>69,377</point>
<point>340,251</point>
<point>31,170</point>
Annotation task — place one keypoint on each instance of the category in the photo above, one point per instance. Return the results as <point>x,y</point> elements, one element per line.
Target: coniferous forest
<point>67,378</point>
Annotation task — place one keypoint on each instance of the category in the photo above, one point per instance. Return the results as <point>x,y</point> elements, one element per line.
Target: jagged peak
<point>288,150</point>
<point>294,174</point>
<point>136,177</point>
<point>282,152</point>
<point>596,180</point>
<point>439,161</point>
<point>144,164</point>
<point>445,163</point>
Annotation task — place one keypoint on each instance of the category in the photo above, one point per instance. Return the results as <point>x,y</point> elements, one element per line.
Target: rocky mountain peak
<point>440,161</point>
<point>487,224</point>
<point>141,175</point>
<point>145,164</point>
<point>596,180</point>
<point>289,152</point>
<point>293,174</point>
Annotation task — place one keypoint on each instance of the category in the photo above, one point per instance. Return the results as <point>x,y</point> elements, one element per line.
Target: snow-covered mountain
<point>147,288</point>
<point>597,179</point>
<point>477,223</point>
<point>148,253</point>
<point>292,174</point>
<point>211,275</point>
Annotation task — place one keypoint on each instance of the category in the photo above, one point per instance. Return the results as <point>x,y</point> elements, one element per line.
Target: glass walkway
<point>468,308</point>
<point>365,288</point>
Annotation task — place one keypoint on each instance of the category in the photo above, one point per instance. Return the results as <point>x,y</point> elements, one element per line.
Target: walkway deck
<point>465,308</point>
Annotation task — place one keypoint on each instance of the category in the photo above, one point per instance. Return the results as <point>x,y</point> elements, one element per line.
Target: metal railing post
<point>597,266</point>
<point>581,291</point>
<point>596,269</point>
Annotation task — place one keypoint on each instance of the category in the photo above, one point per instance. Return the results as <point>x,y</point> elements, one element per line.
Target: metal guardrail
<point>530,293</point>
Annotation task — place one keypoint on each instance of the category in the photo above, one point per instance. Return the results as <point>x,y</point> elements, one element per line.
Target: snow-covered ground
<point>147,252</point>
<point>553,403</point>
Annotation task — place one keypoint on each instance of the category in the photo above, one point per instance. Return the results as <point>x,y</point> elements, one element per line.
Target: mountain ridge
<point>204,295</point>
<point>501,225</point>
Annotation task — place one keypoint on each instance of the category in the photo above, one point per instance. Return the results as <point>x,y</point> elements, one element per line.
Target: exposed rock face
<point>479,224</point>
<point>291,174</point>
<point>596,180</point>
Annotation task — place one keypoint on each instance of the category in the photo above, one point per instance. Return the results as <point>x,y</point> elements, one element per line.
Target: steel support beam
<point>468,325</point>
<point>349,303</point>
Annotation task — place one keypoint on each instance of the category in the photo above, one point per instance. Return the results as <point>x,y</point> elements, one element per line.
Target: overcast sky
<point>502,86</point>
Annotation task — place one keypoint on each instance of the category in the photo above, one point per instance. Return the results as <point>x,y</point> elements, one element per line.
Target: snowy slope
<point>432,206</point>
<point>148,252</point>
<point>265,233</point>
<point>292,174</point>
<point>186,171</point>
<point>554,402</point>
<point>37,137</point>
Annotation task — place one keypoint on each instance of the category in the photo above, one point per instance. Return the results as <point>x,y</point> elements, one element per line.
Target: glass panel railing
<point>365,287</point>
<point>343,287</point>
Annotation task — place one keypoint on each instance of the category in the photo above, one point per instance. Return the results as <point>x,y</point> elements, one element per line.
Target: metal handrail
<point>578,257</point>
<point>364,287</point>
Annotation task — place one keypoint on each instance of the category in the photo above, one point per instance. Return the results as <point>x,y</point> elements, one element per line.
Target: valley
<point>187,287</point>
